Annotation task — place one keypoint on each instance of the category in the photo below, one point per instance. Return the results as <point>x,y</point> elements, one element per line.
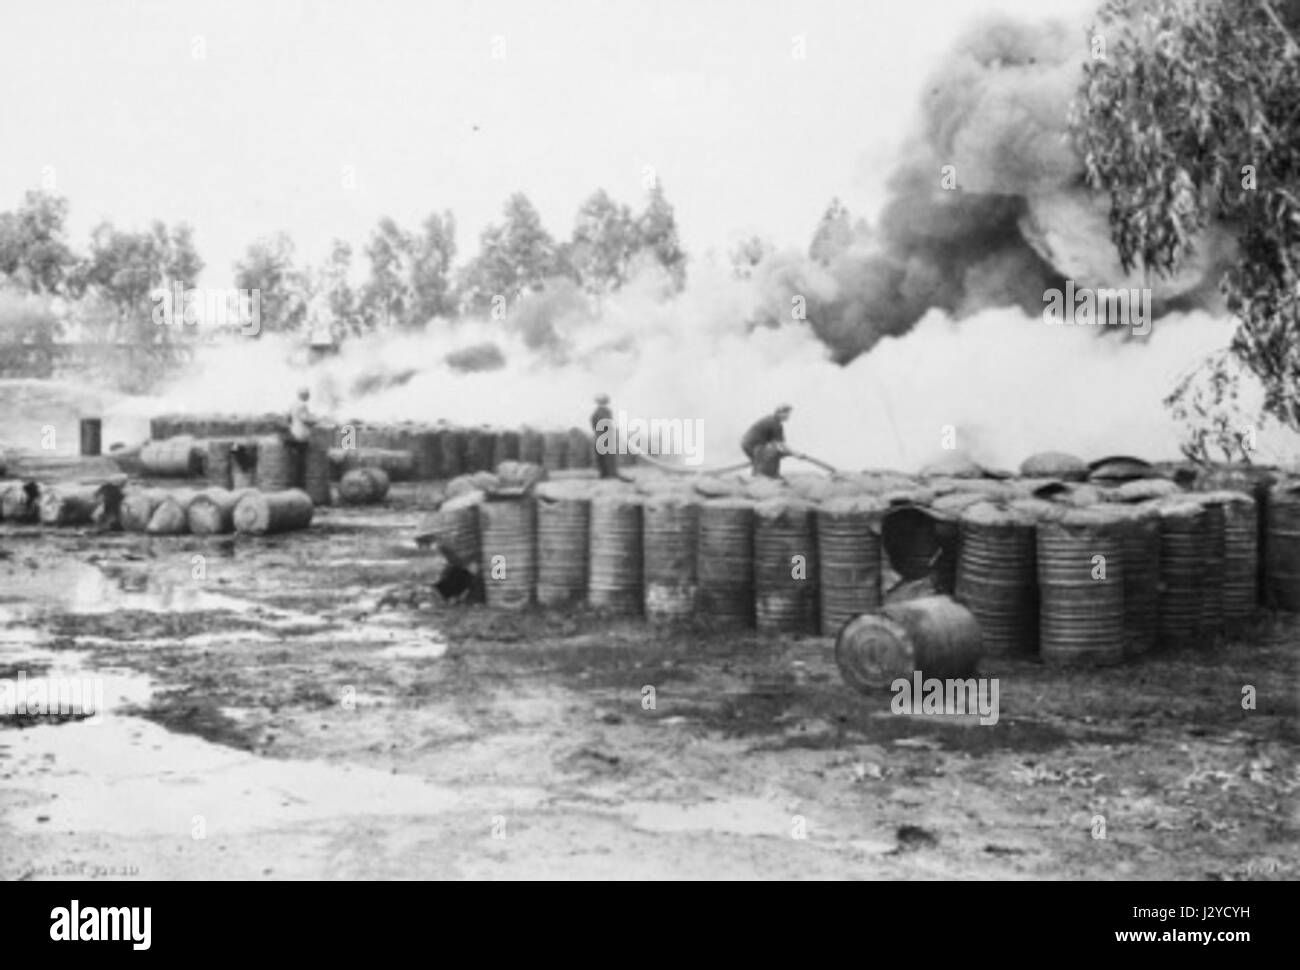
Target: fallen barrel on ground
<point>20,502</point>
<point>848,549</point>
<point>399,466</point>
<point>563,543</point>
<point>262,513</point>
<point>614,581</point>
<point>171,515</point>
<point>725,561</point>
<point>670,535</point>
<point>785,566</point>
<point>508,550</point>
<point>62,505</point>
<point>1081,613</point>
<point>997,576</point>
<point>934,636</point>
<point>173,458</point>
<point>363,486</point>
<point>137,507</point>
<point>212,511</point>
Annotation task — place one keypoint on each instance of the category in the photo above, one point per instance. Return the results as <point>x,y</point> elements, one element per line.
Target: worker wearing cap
<point>602,423</point>
<point>764,442</point>
<point>301,421</point>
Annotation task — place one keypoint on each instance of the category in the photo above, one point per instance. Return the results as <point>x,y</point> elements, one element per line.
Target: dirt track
<point>309,710</point>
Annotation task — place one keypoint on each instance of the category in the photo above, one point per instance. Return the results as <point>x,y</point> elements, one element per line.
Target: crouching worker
<point>764,443</point>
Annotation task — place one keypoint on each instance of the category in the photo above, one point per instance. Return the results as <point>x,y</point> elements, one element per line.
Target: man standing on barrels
<point>764,442</point>
<point>606,445</point>
<point>301,421</point>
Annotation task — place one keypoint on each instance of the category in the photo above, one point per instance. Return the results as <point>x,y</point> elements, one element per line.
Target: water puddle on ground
<point>79,588</point>
<point>733,816</point>
<point>129,776</point>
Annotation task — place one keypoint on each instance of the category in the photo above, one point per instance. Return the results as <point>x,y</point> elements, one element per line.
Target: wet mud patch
<point>188,712</point>
<point>135,625</point>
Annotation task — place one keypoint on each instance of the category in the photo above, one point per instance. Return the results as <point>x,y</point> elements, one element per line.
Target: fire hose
<point>678,469</point>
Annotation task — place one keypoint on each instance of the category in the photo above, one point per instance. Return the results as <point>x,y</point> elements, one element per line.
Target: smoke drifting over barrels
<point>930,317</point>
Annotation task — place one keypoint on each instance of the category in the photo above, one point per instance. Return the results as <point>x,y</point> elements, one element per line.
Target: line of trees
<point>411,275</point>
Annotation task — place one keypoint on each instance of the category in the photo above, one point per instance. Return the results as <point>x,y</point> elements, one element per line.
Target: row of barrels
<point>109,506</point>
<point>1072,585</point>
<point>1108,582</point>
<point>668,557</point>
<point>268,463</point>
<point>437,452</point>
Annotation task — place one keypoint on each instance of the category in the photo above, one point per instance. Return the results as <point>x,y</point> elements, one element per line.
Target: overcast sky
<point>317,117</point>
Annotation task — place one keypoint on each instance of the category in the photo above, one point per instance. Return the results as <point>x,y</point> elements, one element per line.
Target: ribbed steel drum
<point>555,450</point>
<point>1282,546</point>
<point>316,465</point>
<point>508,552</point>
<point>426,448</point>
<point>478,450</point>
<point>933,636</point>
<point>920,543</point>
<point>848,550</point>
<point>453,452</point>
<point>1183,540</point>
<point>1081,618</point>
<point>531,445</point>
<point>1240,556</point>
<point>581,451</point>
<point>725,561</point>
<point>505,447</point>
<point>670,534</point>
<point>615,578</point>
<point>404,440</point>
<point>563,536</point>
<point>243,463</point>
<point>1212,579</point>
<point>785,566</point>
<point>997,576</point>
<point>1258,483</point>
<point>216,466</point>
<point>455,528</point>
<point>1141,528</point>
<point>275,471</point>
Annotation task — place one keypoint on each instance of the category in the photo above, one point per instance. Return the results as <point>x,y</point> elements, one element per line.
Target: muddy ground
<point>304,706</point>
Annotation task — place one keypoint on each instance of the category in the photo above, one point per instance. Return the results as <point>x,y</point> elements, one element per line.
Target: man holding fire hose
<point>764,442</point>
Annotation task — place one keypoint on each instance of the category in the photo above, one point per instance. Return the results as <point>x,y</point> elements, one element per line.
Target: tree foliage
<point>125,268</point>
<point>34,253</point>
<point>268,266</point>
<point>1191,117</point>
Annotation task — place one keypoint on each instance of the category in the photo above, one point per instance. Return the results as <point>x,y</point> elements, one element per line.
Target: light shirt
<point>300,421</point>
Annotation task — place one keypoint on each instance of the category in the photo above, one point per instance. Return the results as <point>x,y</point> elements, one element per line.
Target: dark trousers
<point>606,464</point>
<point>297,461</point>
